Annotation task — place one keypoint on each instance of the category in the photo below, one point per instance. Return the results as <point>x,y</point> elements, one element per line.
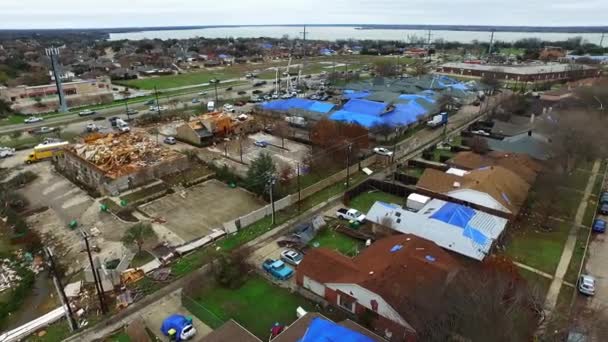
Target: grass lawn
<point>577,179</point>
<point>329,238</point>
<point>590,211</point>
<point>256,305</point>
<point>189,175</point>
<point>539,249</point>
<point>567,203</point>
<point>414,171</point>
<point>364,201</point>
<point>577,256</point>
<point>437,154</point>
<point>174,81</point>
<point>119,337</point>
<point>141,259</point>
<point>54,332</point>
<point>537,283</point>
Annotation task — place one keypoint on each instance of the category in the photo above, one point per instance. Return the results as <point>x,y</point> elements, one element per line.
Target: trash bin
<point>123,203</point>
<point>73,224</point>
<point>232,185</point>
<point>103,207</point>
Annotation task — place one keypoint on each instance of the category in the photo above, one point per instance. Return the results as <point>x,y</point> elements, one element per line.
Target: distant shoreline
<point>471,28</point>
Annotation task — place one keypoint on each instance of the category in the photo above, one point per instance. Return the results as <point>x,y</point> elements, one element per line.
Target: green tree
<point>260,171</point>
<point>137,235</point>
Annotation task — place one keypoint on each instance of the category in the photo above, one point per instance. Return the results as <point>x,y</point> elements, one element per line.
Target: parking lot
<point>67,202</point>
<point>290,156</point>
<point>194,212</point>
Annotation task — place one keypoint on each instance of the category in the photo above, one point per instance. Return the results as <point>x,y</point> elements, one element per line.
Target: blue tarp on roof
<point>364,107</point>
<point>296,103</point>
<point>365,120</point>
<point>321,330</point>
<point>460,216</point>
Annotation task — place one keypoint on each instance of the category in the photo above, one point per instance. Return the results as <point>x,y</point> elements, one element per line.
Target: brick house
<point>382,284</point>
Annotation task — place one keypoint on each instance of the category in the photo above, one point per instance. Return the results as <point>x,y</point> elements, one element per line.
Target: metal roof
<point>452,226</point>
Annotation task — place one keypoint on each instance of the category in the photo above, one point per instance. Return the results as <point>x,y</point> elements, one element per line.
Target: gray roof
<point>536,146</point>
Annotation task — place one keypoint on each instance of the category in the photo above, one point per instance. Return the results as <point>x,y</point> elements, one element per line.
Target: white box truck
<point>415,202</point>
<point>211,106</point>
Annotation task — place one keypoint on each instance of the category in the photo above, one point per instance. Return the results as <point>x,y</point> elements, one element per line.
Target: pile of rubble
<point>122,154</point>
<point>8,275</point>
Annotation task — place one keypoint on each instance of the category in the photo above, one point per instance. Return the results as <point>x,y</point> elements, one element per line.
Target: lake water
<point>334,33</point>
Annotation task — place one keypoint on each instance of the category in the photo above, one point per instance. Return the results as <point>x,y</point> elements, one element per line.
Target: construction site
<point>113,163</point>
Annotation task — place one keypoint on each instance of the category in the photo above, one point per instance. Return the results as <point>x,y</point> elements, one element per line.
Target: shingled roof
<point>503,185</point>
<point>394,267</point>
<point>520,164</point>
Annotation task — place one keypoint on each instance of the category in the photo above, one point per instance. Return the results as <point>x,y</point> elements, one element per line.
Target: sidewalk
<point>564,261</point>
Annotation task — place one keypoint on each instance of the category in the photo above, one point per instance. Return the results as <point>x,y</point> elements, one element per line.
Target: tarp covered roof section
<point>297,103</point>
<point>324,330</point>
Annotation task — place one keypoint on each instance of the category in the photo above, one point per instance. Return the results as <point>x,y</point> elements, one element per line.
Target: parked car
<point>6,152</point>
<point>277,269</point>
<point>43,130</point>
<point>170,141</point>
<point>599,226</point>
<point>257,91</point>
<point>91,127</point>
<point>604,197</point>
<point>239,103</point>
<point>604,209</point>
<point>132,111</point>
<point>292,257</point>
<point>228,108</point>
<point>150,103</point>
<point>350,214</point>
<point>202,93</point>
<point>383,151</point>
<point>33,119</point>
<point>113,120</point>
<point>195,100</point>
<point>229,89</point>
<point>586,285</point>
<point>260,143</point>
<point>242,92</point>
<point>87,112</point>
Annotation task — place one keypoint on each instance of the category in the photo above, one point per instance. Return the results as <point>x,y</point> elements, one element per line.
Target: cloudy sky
<point>125,13</point>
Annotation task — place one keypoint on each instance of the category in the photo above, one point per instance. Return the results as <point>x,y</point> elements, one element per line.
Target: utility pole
<point>157,103</point>
<point>350,147</point>
<point>304,49</point>
<point>602,40</point>
<point>241,147</point>
<point>102,303</point>
<point>59,286</point>
<point>271,182</point>
<point>298,173</point>
<point>491,43</point>
<point>127,105</point>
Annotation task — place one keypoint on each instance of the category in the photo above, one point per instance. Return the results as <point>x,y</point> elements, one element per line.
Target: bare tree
<point>479,145</point>
<point>488,302</point>
<point>419,68</point>
<point>576,135</point>
<point>281,129</point>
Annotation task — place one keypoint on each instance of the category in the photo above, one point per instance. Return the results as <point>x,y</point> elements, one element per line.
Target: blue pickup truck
<point>278,269</point>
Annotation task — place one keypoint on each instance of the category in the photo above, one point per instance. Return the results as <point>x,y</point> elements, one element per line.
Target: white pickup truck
<point>350,214</point>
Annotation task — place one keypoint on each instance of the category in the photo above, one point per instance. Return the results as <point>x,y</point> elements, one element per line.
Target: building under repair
<point>114,163</point>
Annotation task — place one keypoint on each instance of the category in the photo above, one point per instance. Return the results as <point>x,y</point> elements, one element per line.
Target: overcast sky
<point>126,13</point>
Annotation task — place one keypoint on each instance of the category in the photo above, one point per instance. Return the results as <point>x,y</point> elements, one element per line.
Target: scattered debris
<point>131,275</point>
<point>73,289</point>
<point>161,274</point>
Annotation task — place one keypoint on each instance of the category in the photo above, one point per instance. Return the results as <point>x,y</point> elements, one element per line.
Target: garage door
<point>314,286</point>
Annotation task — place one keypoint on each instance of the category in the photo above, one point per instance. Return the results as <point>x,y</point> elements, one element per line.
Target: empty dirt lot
<point>197,210</point>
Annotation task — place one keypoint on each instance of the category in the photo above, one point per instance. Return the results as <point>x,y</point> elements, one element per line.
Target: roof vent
<point>457,184</point>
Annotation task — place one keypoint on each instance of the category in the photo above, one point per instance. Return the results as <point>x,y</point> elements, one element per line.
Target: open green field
<point>329,238</point>
<point>537,248</point>
<point>364,201</point>
<point>577,255</point>
<point>314,65</point>
<point>256,305</point>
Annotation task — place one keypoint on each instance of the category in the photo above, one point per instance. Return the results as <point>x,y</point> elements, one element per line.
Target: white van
<point>210,106</point>
<point>122,126</point>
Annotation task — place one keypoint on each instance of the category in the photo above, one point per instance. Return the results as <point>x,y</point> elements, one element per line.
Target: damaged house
<point>114,163</point>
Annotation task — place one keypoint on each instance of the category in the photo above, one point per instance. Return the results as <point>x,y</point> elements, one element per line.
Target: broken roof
<point>508,189</point>
<point>122,154</point>
<point>298,329</point>
<point>230,331</point>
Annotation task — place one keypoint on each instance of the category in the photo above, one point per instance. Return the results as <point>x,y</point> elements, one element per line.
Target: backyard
<point>364,201</point>
<point>329,238</point>
<point>257,305</point>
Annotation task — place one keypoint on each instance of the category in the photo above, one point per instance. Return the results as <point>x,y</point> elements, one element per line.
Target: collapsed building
<point>114,163</point>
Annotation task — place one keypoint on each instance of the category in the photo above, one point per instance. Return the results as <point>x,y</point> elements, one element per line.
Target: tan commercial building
<point>550,72</point>
<point>44,98</point>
